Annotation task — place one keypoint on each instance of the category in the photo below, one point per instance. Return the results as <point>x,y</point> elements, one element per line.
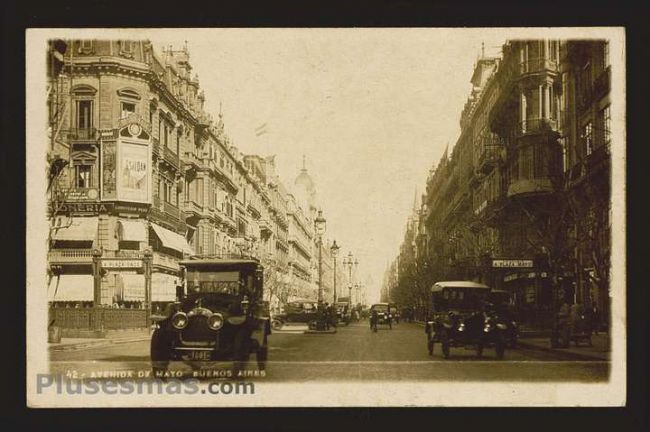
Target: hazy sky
<point>371,109</point>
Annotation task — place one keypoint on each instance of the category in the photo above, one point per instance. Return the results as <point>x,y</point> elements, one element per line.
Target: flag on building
<point>261,130</point>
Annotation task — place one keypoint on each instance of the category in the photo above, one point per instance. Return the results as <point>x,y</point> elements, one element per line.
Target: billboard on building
<point>134,172</point>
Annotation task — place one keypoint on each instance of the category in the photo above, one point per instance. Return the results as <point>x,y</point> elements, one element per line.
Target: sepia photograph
<point>326,217</point>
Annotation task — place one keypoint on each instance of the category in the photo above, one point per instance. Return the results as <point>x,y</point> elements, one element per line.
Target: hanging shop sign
<point>512,263</point>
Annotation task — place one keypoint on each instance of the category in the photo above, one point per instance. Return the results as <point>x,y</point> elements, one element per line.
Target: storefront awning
<point>71,288</point>
<point>172,240</point>
<point>77,229</point>
<point>133,287</point>
<point>132,230</point>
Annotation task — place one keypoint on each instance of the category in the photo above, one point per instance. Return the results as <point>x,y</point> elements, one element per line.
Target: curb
<point>569,355</point>
<point>96,344</point>
<point>320,331</point>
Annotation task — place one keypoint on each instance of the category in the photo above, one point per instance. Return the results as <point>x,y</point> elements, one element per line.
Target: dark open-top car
<point>220,317</point>
<point>297,311</point>
<point>460,318</point>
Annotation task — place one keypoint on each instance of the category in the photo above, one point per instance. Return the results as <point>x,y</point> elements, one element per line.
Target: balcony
<point>537,65</point>
<point>124,253</point>
<point>537,126</point>
<point>193,207</point>
<point>171,210</point>
<point>70,256</point>
<point>530,186</point>
<point>170,157</point>
<point>81,135</point>
<point>192,161</point>
<point>165,261</point>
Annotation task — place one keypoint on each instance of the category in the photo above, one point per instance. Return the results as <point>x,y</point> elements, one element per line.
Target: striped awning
<point>132,230</point>
<point>71,288</point>
<point>133,287</point>
<point>77,229</point>
<point>172,240</point>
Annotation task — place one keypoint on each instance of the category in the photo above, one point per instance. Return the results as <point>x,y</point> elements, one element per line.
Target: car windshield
<point>213,282</point>
<point>380,308</point>
<point>459,298</point>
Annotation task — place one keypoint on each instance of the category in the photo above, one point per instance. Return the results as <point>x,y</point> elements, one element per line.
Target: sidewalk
<point>599,351</point>
<point>113,337</point>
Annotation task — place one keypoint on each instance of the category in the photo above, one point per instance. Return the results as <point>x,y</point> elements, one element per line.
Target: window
<point>84,114</point>
<point>605,55</point>
<point>128,108</point>
<point>83,176</point>
<point>587,138</point>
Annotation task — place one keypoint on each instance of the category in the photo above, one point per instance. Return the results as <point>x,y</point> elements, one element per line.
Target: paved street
<point>355,353</point>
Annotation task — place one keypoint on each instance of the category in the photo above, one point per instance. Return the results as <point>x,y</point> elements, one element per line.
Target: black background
<point>19,15</point>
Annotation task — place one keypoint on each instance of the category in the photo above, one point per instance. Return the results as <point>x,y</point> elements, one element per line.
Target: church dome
<point>305,188</point>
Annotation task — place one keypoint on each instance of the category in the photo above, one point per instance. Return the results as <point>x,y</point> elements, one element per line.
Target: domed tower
<point>305,190</point>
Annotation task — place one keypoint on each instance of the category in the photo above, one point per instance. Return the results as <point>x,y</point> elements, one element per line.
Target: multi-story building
<point>522,203</point>
<point>586,73</point>
<point>141,177</point>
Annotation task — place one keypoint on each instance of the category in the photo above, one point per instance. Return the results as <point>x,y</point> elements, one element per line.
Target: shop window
<point>83,176</point>
<point>86,47</point>
<point>128,108</point>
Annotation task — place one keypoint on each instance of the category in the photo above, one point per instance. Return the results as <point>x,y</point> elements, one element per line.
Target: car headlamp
<point>487,328</point>
<point>179,320</point>
<point>215,321</point>
<point>461,327</point>
<point>502,326</point>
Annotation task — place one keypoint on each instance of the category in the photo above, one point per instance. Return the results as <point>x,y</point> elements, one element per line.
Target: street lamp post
<point>319,228</point>
<point>334,249</point>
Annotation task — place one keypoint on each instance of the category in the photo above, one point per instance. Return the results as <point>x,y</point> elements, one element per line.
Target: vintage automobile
<point>343,313</point>
<point>459,319</point>
<point>383,315</point>
<point>500,306</point>
<point>297,311</point>
<point>218,316</point>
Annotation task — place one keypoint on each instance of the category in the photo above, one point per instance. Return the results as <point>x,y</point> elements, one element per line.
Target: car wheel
<point>160,352</point>
<point>276,324</point>
<point>500,347</point>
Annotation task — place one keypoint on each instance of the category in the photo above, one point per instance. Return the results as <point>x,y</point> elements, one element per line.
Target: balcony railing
<point>155,146</point>
<point>540,64</point>
<point>123,253</point>
<point>172,210</point>
<point>82,134</point>
<point>171,157</point>
<point>62,256</point>
<point>191,159</point>
<point>191,206</point>
<point>537,125</point>
<point>161,260</point>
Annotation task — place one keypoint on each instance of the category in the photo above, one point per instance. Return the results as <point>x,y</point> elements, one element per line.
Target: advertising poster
<point>109,190</point>
<point>134,179</point>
